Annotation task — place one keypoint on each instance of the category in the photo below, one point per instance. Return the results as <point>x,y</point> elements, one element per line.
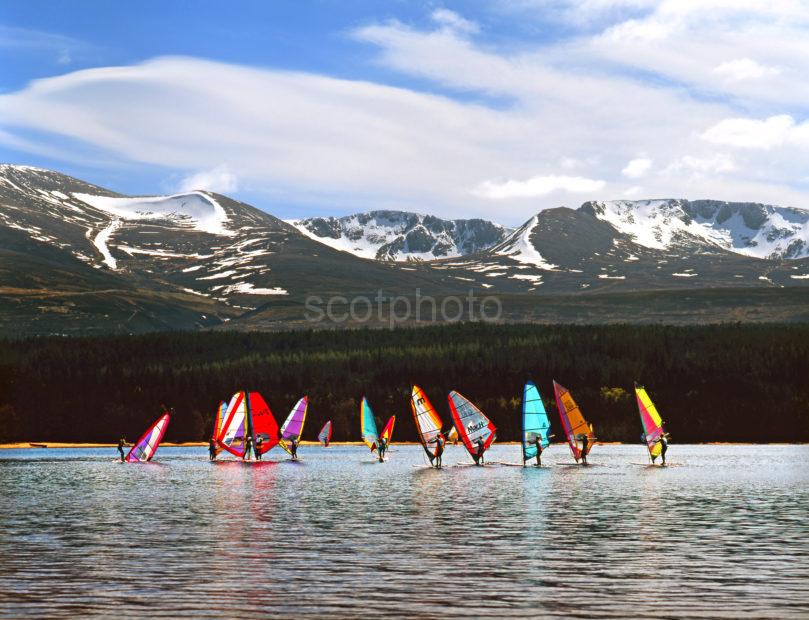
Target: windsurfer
<point>382,448</point>
<point>481,449</point>
<point>248,447</point>
<point>293,449</point>
<point>121,444</point>
<point>585,447</point>
<point>664,445</point>
<point>259,442</point>
<point>439,450</point>
<point>538,442</point>
<point>212,449</point>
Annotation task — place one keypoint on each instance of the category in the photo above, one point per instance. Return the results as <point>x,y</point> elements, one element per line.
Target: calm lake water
<point>722,532</point>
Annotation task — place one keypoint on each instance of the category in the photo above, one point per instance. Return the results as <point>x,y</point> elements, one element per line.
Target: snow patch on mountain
<point>751,229</point>
<point>520,248</point>
<point>196,210</point>
<point>400,235</point>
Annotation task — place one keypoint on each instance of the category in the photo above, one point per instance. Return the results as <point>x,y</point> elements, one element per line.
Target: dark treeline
<point>710,383</point>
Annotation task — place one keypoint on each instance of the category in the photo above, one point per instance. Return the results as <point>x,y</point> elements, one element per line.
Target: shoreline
<point>204,444</point>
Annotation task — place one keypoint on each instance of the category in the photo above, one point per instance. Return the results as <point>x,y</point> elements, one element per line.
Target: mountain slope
<point>398,235</point>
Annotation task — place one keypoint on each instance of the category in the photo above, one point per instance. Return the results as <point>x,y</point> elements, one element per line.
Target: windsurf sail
<point>572,420</point>
<point>233,432</point>
<point>218,422</point>
<point>145,448</point>
<point>387,432</point>
<point>293,425</point>
<point>324,436</point>
<point>368,425</point>
<point>651,421</point>
<point>535,422</point>
<point>453,435</point>
<point>428,423</point>
<point>247,415</point>
<point>471,423</point>
<point>262,423</point>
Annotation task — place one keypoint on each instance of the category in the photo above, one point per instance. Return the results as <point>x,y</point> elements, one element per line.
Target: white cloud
<point>744,69</point>
<point>537,186</point>
<point>453,21</point>
<point>748,133</point>
<point>715,164</point>
<point>637,168</point>
<point>634,191</point>
<point>219,179</point>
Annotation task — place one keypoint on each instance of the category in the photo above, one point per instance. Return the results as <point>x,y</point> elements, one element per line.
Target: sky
<point>494,109</point>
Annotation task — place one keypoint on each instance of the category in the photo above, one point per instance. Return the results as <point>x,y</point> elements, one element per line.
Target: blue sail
<point>535,422</point>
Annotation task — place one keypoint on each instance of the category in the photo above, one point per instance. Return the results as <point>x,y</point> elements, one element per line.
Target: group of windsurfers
<point>251,447</point>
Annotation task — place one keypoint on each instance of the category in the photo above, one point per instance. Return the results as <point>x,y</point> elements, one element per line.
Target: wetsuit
<point>257,450</point>
<point>293,449</point>
<point>585,444</point>
<point>479,455</point>
<point>381,449</point>
<point>121,444</point>
<point>439,450</point>
<point>538,442</point>
<point>248,446</point>
<point>212,450</point>
<point>664,445</point>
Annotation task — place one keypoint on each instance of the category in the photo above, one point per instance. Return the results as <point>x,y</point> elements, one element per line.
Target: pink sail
<point>145,448</point>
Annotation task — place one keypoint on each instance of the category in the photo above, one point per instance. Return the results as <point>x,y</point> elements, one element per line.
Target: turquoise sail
<point>535,422</point>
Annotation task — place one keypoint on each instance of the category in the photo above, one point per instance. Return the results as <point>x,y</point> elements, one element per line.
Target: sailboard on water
<point>324,436</point>
<point>572,421</point>
<point>145,448</point>
<point>651,421</point>
<point>387,432</point>
<point>247,415</point>
<point>368,425</point>
<point>471,423</point>
<point>535,422</point>
<point>428,423</point>
<point>292,428</point>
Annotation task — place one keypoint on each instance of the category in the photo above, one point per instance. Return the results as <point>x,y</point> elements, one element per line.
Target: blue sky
<point>493,109</point>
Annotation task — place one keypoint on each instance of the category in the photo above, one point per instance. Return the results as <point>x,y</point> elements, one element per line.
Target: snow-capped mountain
<point>752,229</point>
<point>399,235</point>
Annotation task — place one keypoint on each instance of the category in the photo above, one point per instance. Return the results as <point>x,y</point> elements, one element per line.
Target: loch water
<point>722,532</point>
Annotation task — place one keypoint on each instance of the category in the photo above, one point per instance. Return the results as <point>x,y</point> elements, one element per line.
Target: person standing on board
<point>293,449</point>
<point>538,442</point>
<point>439,450</point>
<point>481,449</point>
<point>259,442</point>
<point>248,447</point>
<point>211,450</point>
<point>121,444</point>
<point>585,446</point>
<point>382,448</point>
<point>664,445</point>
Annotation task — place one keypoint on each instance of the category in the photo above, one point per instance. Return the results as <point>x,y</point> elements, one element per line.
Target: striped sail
<point>387,432</point>
<point>233,431</point>
<point>324,436</point>
<point>146,446</point>
<point>427,421</point>
<point>471,423</point>
<point>368,425</point>
<point>535,422</point>
<point>293,425</point>
<point>572,420</point>
<point>651,421</point>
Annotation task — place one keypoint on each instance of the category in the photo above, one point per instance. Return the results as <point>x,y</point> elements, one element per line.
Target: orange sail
<point>572,421</point>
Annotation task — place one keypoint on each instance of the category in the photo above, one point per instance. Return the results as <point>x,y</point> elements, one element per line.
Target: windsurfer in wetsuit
<point>259,443</point>
<point>293,449</point>
<point>585,445</point>
<point>211,449</point>
<point>121,444</point>
<point>382,448</point>
<point>248,447</point>
<point>538,442</point>
<point>481,449</point>
<point>439,450</point>
<point>664,445</point>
